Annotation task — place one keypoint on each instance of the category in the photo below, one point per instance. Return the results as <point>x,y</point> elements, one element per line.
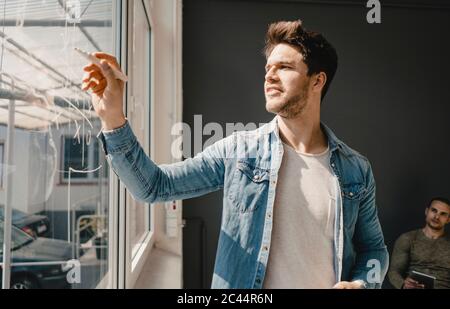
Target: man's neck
<point>304,134</point>
<point>431,233</point>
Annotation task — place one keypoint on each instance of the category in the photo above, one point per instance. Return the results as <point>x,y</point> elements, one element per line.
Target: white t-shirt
<point>301,252</point>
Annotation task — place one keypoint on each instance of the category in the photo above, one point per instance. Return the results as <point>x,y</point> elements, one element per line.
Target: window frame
<point>132,264</point>
<point>2,162</point>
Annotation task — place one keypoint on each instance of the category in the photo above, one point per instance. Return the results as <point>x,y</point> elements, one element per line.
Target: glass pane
<point>138,114</point>
<point>59,178</point>
<point>79,156</point>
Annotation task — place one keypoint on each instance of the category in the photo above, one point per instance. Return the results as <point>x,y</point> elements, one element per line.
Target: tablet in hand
<point>426,280</point>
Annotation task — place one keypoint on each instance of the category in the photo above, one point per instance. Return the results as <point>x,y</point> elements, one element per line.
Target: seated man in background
<point>425,250</point>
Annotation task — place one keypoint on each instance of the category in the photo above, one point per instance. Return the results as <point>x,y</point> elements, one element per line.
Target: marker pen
<point>118,74</point>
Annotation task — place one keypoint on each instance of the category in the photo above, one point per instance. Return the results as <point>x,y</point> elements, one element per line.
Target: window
<point>56,176</point>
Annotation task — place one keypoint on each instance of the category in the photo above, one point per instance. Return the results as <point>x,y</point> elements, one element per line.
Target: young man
<point>299,205</point>
<point>425,250</point>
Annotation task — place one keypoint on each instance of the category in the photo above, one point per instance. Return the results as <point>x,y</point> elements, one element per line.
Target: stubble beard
<point>435,228</point>
<point>294,106</point>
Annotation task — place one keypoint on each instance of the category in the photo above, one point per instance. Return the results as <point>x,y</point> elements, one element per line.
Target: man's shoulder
<point>355,161</point>
<point>252,135</point>
<point>242,140</point>
<point>352,153</point>
<point>408,236</point>
<point>263,129</point>
<point>447,237</point>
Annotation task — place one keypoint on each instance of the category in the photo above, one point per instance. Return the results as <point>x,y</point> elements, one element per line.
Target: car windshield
<point>16,214</point>
<point>18,238</point>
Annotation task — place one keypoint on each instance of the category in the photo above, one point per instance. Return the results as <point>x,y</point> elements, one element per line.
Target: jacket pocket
<point>249,187</point>
<point>352,195</point>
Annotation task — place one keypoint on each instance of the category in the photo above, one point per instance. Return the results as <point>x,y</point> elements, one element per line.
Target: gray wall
<point>389,100</point>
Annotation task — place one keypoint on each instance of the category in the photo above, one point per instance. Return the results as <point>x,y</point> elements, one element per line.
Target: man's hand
<point>410,283</point>
<point>107,91</point>
<point>349,285</point>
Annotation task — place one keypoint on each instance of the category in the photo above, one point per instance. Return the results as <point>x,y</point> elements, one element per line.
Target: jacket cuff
<point>363,283</point>
<point>119,140</point>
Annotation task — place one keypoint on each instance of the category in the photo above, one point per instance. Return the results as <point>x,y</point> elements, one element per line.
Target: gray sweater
<point>415,251</point>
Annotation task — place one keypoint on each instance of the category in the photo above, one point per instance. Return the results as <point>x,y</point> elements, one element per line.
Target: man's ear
<point>319,81</point>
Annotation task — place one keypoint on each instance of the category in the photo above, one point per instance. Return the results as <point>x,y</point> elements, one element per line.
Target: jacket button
<point>256,177</point>
<point>265,248</point>
<point>351,194</point>
<point>332,164</point>
<point>258,280</point>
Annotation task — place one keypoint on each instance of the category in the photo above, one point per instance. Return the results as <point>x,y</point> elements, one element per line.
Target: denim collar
<point>333,142</point>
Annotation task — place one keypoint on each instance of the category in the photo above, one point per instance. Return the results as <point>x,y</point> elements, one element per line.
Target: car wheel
<point>23,283</point>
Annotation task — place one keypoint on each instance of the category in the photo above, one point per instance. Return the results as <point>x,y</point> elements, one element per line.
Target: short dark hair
<point>319,55</point>
<point>439,199</point>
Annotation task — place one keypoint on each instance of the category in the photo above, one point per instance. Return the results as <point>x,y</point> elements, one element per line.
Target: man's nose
<point>271,75</point>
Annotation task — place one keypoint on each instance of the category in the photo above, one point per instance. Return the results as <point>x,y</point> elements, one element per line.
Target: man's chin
<point>435,226</point>
<point>273,107</point>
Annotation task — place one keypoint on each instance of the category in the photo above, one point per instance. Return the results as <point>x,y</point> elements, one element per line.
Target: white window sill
<point>162,270</point>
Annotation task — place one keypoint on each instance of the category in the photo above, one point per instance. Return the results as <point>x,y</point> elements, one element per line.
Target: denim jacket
<point>245,165</point>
